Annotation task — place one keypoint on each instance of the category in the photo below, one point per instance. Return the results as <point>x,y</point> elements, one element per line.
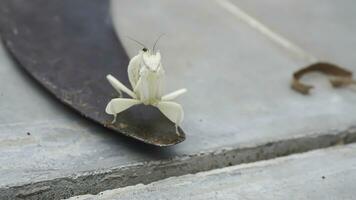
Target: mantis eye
<point>144,49</point>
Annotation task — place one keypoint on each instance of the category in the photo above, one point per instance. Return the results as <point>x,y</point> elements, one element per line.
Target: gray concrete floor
<point>239,107</point>
<point>324,28</point>
<point>321,174</point>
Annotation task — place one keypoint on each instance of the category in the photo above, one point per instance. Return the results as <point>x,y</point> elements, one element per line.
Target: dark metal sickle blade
<point>69,47</point>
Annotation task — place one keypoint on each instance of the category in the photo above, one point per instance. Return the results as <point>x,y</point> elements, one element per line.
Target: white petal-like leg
<point>173,111</point>
<point>173,95</point>
<point>119,86</point>
<point>115,106</point>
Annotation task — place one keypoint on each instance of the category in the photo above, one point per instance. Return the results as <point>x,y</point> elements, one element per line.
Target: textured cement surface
<point>239,108</point>
<point>325,28</point>
<point>321,174</point>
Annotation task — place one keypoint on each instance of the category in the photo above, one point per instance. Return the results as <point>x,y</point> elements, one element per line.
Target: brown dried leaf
<point>339,76</point>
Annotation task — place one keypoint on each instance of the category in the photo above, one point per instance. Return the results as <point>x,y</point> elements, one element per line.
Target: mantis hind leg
<point>173,111</point>
<point>114,120</point>
<point>116,106</point>
<point>120,93</point>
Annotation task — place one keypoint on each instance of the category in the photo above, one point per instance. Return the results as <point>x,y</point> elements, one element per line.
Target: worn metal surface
<point>318,175</point>
<point>239,108</point>
<point>70,47</point>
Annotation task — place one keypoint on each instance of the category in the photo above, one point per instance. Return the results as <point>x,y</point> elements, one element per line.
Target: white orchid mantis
<point>146,75</point>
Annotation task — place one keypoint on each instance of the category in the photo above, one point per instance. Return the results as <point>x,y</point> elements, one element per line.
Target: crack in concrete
<point>266,31</point>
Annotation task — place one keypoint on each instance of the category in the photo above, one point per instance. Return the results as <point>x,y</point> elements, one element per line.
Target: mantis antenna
<point>159,37</point>
<point>137,42</point>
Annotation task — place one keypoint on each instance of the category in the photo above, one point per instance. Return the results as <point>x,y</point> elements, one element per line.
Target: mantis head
<point>151,60</point>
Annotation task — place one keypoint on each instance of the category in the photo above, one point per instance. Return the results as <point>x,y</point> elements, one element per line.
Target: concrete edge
<point>251,180</point>
<point>96,181</point>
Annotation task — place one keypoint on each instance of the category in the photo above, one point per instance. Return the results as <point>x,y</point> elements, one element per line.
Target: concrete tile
<point>325,29</point>
<point>322,174</point>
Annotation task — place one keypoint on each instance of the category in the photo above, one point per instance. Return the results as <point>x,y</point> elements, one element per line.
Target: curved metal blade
<point>69,47</point>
